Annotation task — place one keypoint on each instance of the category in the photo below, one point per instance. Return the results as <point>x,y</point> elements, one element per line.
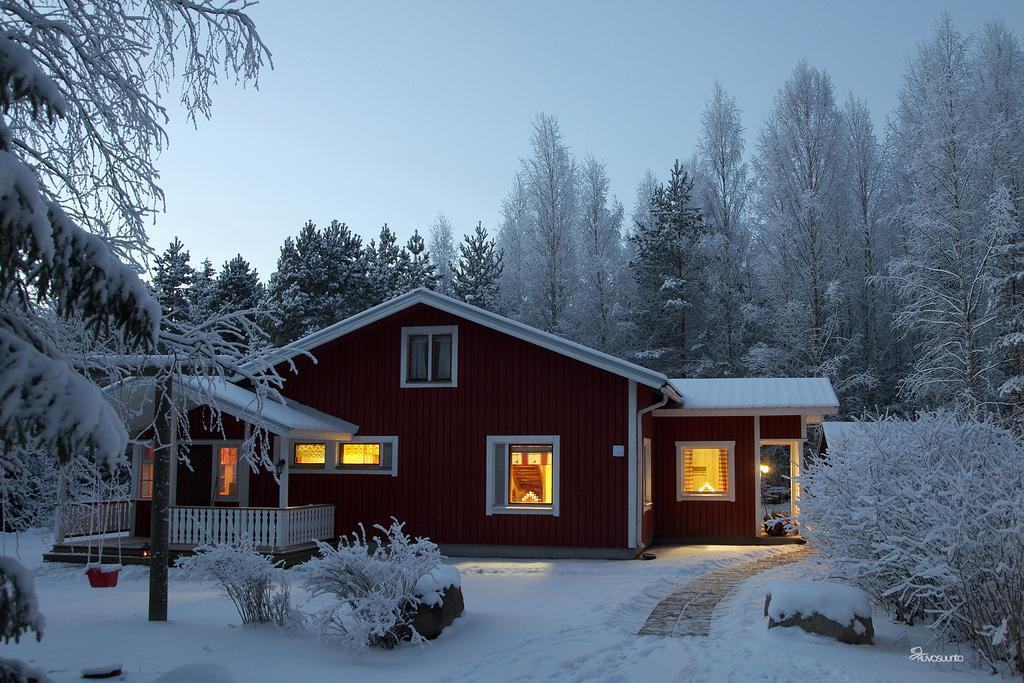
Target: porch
<point>287,534</point>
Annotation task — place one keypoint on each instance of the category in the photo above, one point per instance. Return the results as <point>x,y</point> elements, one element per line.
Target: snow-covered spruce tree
<point>321,278</point>
<point>667,271</point>
<point>201,293</point>
<point>476,276</point>
<point>513,243</point>
<point>384,267</point>
<point>725,197</point>
<point>600,307</point>
<point>551,178</point>
<point>1007,226</point>
<point>442,252</point>
<point>238,287</point>
<point>415,265</point>
<point>173,276</point>
<point>941,280</point>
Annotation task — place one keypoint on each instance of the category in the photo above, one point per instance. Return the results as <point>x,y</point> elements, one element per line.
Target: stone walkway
<point>687,612</point>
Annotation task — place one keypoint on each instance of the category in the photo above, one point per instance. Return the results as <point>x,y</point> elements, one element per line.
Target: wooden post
<point>166,426</point>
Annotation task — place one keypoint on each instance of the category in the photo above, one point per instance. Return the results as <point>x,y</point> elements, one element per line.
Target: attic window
<point>705,470</point>
<point>430,356</point>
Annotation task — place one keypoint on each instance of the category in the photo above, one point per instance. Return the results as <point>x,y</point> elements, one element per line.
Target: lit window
<point>529,475</point>
<point>310,454</point>
<point>368,455</point>
<point>227,472</point>
<point>360,454</point>
<point>429,356</point>
<point>522,475</point>
<point>146,474</point>
<point>705,470</point>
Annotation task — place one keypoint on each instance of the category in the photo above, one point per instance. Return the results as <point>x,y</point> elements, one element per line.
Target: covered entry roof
<point>798,395</point>
<point>284,417</point>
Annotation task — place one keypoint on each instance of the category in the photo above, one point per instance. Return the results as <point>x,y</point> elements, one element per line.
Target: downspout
<point>668,393</point>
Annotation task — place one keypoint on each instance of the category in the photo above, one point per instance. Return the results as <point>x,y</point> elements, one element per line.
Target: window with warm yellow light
<point>227,472</point>
<point>146,474</point>
<point>705,470</point>
<point>310,454</point>
<point>360,454</point>
<point>530,475</point>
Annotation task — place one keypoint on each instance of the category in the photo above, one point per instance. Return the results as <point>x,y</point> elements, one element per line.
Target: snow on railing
<point>268,527</point>
<point>93,518</point>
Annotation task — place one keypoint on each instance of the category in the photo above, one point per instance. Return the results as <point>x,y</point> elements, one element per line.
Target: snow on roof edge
<point>752,393</point>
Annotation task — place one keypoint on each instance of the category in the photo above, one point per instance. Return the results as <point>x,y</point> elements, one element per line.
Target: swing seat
<point>103,575</point>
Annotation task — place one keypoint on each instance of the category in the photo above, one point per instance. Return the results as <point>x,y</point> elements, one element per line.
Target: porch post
<point>282,477</point>
<point>795,463</point>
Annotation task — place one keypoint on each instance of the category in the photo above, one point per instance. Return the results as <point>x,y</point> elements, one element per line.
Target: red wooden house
<point>492,438</point>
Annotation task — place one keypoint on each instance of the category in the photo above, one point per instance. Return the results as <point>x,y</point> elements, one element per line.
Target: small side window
<point>309,454</point>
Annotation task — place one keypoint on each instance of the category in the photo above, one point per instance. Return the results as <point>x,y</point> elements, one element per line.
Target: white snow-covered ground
<point>524,620</point>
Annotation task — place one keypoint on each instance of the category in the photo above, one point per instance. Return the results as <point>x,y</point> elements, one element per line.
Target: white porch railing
<point>268,527</point>
<point>93,518</point>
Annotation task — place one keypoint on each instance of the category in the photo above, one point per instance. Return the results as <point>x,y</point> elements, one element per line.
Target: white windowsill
<point>720,497</point>
<point>517,510</point>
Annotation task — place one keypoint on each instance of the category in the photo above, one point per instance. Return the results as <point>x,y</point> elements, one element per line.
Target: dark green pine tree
<point>237,287</point>
<point>416,266</point>
<point>475,277</point>
<point>666,266</point>
<point>321,278</point>
<point>172,279</point>
<point>201,293</point>
<point>384,267</point>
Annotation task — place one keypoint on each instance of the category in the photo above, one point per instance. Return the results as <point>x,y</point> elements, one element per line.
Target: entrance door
<point>195,485</point>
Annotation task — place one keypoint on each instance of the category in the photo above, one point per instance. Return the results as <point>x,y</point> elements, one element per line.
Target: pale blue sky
<point>397,111</point>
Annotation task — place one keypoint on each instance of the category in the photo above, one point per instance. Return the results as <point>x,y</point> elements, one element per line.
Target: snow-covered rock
<point>829,609</point>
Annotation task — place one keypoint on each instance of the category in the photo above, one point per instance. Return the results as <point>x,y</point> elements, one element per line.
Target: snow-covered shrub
<point>928,517</point>
<point>376,583</point>
<point>256,585</point>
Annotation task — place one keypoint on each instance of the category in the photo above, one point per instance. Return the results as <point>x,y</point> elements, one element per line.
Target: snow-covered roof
<point>287,418</point>
<point>486,318</point>
<point>799,395</point>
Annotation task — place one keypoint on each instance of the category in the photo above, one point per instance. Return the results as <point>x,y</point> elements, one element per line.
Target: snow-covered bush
<point>927,516</point>
<point>379,582</point>
<point>256,585</point>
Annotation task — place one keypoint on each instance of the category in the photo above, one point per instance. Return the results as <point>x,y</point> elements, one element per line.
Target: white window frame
<point>139,452</point>
<point>647,471</point>
<point>351,469</point>
<point>407,332</point>
<point>502,507</point>
<point>217,445</point>
<point>730,495</point>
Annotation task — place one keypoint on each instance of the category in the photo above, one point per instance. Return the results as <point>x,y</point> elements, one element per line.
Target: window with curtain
<point>227,472</point>
<point>361,454</point>
<point>429,356</point>
<point>706,470</point>
<point>309,454</point>
<point>368,455</point>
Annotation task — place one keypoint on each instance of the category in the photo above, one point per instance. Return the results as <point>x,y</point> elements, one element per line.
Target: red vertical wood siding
<point>780,427</point>
<point>506,387</point>
<point>705,519</point>
<point>646,397</point>
<point>143,517</point>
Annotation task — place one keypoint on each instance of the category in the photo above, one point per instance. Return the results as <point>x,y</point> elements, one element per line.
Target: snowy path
<point>688,611</point>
